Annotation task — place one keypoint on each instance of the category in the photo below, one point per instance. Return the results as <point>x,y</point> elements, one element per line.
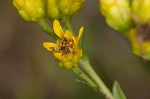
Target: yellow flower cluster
<point>140,40</point>
<point>65,50</point>
<point>117,13</point>
<point>131,18</point>
<point>32,10</point>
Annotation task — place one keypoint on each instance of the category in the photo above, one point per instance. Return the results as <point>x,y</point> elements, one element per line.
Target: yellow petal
<point>68,34</point>
<point>68,65</point>
<point>58,55</point>
<point>64,59</point>
<point>75,60</point>
<point>70,56</point>
<point>75,42</point>
<point>79,53</point>
<point>80,33</point>
<point>58,29</point>
<point>50,46</point>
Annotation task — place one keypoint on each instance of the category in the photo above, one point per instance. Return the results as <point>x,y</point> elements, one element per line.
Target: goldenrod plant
<point>130,17</point>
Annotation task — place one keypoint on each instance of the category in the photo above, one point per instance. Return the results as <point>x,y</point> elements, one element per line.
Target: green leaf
<point>117,91</point>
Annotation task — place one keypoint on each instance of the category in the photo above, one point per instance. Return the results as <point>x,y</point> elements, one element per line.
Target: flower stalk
<point>94,81</point>
<point>47,29</point>
<point>86,66</point>
<point>67,20</point>
<point>102,88</point>
<point>88,80</point>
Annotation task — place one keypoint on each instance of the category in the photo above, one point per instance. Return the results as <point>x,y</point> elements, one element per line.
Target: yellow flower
<point>140,8</point>
<point>65,50</point>
<point>71,7</point>
<point>140,41</point>
<point>52,9</point>
<point>117,14</point>
<point>30,10</point>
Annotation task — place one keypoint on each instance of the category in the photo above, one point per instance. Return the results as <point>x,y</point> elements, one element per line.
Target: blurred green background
<point>28,71</point>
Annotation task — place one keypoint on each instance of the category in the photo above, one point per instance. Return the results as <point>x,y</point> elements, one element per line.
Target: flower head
<point>117,14</point>
<point>52,9</point>
<point>140,9</point>
<point>65,50</point>
<point>30,10</point>
<point>140,41</point>
<point>71,7</point>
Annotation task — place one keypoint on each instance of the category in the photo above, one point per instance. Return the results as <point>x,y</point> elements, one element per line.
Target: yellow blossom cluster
<point>31,10</point>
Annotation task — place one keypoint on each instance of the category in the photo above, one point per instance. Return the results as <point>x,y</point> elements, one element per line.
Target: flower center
<point>143,32</point>
<point>66,46</point>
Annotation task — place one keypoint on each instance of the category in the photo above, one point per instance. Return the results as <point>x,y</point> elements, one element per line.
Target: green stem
<point>67,20</point>
<point>47,29</point>
<point>81,74</point>
<point>90,71</point>
<point>102,88</point>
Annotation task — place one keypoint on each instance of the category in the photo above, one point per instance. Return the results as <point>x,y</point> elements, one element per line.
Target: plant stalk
<point>90,71</point>
<point>47,29</point>
<point>88,80</point>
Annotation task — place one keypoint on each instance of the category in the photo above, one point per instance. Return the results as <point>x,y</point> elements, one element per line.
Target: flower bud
<point>53,9</point>
<point>30,10</point>
<point>69,61</point>
<point>140,41</point>
<point>117,14</point>
<point>140,8</point>
<point>71,7</point>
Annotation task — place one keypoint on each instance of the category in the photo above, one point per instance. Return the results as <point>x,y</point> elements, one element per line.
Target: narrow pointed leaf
<point>117,91</point>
